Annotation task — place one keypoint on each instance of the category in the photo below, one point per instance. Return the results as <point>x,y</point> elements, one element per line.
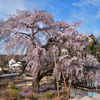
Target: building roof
<point>24,58</point>
<point>90,64</point>
<point>16,64</point>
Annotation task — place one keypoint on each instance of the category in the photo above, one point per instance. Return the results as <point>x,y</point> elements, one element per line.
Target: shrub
<point>20,96</point>
<point>42,93</point>
<point>10,83</point>
<point>31,95</point>
<point>55,93</point>
<point>25,89</point>
<point>49,94</point>
<point>6,93</point>
<point>14,93</point>
<point>18,88</point>
<point>1,65</point>
<point>38,97</point>
<point>11,86</point>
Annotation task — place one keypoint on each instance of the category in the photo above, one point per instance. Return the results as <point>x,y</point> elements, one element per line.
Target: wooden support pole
<point>64,81</point>
<point>16,79</point>
<point>17,75</point>
<point>56,78</point>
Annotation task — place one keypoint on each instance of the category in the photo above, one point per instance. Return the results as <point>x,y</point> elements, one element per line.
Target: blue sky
<point>71,10</point>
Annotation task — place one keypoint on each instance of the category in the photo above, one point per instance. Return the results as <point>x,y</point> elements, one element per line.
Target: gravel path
<point>87,98</point>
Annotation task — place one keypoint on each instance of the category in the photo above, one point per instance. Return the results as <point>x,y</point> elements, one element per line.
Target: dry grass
<point>14,93</point>
<point>31,95</point>
<point>49,94</point>
<point>6,93</point>
<point>25,89</point>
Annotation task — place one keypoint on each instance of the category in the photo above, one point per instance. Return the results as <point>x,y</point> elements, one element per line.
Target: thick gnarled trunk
<point>35,85</point>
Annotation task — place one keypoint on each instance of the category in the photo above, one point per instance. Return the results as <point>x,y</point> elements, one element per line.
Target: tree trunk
<point>35,85</point>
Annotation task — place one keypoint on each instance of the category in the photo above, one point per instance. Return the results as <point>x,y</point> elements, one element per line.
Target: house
<point>0,70</point>
<point>14,64</point>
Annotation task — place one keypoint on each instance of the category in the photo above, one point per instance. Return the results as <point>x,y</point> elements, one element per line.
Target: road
<point>10,75</point>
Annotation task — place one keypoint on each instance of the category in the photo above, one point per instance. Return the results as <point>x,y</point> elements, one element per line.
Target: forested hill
<point>5,58</point>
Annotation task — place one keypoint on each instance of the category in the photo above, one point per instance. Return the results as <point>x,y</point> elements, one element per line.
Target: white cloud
<point>97,16</point>
<point>93,2</point>
<point>90,12</point>
<point>10,6</point>
<point>76,4</point>
<point>87,3</point>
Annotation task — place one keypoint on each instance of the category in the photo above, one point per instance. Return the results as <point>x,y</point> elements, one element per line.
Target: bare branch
<point>42,29</point>
<point>24,34</point>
